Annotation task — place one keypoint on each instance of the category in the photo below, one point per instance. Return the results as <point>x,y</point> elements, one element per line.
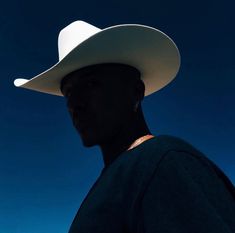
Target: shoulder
<point>167,143</point>
<point>144,159</point>
<point>138,165</point>
<point>165,156</point>
<point>154,151</point>
<point>174,159</point>
<point>183,186</point>
<point>184,157</point>
<point>180,158</point>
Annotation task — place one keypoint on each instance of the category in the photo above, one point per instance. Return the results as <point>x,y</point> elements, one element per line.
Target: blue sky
<point>45,172</point>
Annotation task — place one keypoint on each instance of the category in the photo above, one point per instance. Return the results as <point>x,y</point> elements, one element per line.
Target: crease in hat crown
<point>81,44</point>
<point>70,37</point>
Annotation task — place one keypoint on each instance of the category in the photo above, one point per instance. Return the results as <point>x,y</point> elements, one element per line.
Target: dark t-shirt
<point>162,186</point>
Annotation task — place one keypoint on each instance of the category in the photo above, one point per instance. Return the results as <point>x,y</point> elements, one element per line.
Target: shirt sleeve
<point>174,202</point>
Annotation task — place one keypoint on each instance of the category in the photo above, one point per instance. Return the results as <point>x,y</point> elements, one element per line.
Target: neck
<point>131,130</point>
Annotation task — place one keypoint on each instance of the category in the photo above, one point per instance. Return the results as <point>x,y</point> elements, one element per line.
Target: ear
<point>136,90</point>
<point>139,89</point>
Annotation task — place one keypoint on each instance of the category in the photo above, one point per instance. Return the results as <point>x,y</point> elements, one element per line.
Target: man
<point>149,183</point>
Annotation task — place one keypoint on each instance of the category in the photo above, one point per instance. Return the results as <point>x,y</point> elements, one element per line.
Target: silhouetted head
<point>102,99</point>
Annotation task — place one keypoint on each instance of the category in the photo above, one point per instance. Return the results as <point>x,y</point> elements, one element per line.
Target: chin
<point>88,141</point>
<point>90,137</point>
<point>88,144</point>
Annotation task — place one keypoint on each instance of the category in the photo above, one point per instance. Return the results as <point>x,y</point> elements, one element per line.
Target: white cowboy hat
<point>81,44</point>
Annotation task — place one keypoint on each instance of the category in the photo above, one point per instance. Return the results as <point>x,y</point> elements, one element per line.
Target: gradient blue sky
<point>44,170</point>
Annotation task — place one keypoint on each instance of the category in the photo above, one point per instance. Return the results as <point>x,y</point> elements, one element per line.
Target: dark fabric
<point>162,186</point>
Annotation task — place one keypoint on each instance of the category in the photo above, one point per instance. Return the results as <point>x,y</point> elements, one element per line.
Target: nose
<point>78,105</point>
<point>76,110</point>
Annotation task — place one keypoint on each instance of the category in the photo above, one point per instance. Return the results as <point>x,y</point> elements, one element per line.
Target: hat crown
<point>73,35</point>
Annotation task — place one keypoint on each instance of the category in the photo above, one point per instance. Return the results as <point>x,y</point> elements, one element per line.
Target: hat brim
<point>149,50</point>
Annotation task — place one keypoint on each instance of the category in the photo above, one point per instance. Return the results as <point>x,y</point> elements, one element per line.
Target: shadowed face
<point>100,100</point>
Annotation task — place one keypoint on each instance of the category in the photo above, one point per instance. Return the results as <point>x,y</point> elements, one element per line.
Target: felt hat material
<point>81,44</point>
